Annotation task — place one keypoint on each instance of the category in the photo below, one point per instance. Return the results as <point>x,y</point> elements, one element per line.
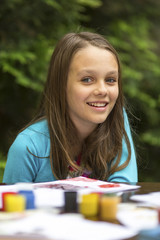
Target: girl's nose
<point>100,88</point>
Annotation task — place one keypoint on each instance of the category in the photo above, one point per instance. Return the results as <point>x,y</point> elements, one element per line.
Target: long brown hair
<point>102,146</point>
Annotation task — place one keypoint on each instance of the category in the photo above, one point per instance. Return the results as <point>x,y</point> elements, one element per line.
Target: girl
<point>81,127</point>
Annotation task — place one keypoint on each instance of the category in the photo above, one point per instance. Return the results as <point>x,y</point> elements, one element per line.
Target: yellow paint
<point>14,203</point>
<point>90,205</point>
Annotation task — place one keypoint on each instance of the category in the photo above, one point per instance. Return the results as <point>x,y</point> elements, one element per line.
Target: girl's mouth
<point>97,104</point>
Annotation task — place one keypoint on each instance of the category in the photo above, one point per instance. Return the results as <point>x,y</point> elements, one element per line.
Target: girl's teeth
<point>97,104</point>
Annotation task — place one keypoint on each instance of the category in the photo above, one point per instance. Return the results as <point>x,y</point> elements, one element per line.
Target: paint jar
<point>70,200</point>
<point>4,194</point>
<point>30,198</point>
<point>89,205</point>
<point>109,206</point>
<point>14,203</point>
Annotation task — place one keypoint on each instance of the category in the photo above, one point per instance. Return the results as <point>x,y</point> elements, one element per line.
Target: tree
<point>28,33</point>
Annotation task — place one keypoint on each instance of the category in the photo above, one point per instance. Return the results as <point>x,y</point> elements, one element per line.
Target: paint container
<point>70,199</point>
<point>30,198</point>
<point>15,203</point>
<point>89,205</point>
<point>109,207</point>
<point>4,194</point>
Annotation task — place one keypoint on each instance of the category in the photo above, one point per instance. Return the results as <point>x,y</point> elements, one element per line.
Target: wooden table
<point>146,187</point>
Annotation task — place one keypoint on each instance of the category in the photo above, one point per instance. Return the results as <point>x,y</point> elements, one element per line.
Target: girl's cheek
<point>114,94</point>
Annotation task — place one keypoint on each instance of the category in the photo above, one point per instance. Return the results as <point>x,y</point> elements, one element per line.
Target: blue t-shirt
<point>23,165</point>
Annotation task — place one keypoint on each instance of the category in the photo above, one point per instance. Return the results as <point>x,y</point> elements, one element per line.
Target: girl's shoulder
<point>39,128</point>
<point>34,137</point>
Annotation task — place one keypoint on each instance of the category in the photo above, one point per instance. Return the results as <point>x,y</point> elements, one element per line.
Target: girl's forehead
<point>92,55</point>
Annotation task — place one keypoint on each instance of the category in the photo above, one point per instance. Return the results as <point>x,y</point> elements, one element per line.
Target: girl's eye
<point>87,80</point>
<point>110,80</point>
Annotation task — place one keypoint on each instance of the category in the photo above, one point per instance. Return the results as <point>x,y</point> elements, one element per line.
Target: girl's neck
<point>77,150</point>
<point>84,130</point>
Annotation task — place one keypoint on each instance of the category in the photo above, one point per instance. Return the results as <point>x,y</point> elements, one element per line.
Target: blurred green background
<point>28,33</point>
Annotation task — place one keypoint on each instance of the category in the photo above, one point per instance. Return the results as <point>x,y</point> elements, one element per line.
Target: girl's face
<point>92,88</point>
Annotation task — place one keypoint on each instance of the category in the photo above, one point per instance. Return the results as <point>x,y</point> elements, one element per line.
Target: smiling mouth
<point>96,104</point>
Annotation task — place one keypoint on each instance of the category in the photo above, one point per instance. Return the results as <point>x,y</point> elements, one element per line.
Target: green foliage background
<point>29,31</point>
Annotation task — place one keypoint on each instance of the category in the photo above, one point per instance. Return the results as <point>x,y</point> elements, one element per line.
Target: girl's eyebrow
<point>112,73</point>
<point>86,71</point>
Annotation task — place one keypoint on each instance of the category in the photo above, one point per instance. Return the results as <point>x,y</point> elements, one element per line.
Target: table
<point>146,187</point>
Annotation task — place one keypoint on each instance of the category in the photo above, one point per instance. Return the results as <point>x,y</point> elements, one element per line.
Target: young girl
<point>82,127</point>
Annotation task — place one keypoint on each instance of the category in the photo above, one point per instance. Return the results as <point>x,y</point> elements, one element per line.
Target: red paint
<point>109,185</point>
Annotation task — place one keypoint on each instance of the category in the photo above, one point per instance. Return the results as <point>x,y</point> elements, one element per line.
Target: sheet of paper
<point>64,226</point>
<point>79,183</point>
<point>152,199</point>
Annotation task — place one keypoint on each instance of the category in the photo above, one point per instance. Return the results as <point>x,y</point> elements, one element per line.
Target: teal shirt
<point>22,166</point>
